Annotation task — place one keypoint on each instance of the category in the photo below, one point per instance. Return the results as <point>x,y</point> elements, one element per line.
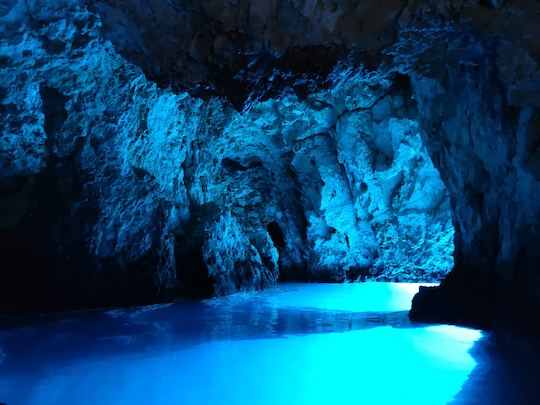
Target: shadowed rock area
<point>150,150</point>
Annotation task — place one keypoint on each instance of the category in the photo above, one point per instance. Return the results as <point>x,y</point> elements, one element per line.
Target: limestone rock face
<point>152,149</point>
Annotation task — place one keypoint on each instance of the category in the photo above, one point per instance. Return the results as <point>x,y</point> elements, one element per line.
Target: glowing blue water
<point>299,344</point>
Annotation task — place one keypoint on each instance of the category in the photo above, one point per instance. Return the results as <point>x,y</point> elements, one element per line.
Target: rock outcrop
<point>151,149</point>
<point>480,122</point>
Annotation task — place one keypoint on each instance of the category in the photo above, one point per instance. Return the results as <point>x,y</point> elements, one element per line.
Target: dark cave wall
<point>228,48</point>
<point>145,149</point>
<point>480,120</point>
<point>64,96</point>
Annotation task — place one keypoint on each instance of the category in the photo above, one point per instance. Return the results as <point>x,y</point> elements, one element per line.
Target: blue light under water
<point>299,344</point>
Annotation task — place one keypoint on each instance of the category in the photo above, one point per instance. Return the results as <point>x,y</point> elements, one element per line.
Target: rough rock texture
<point>150,149</point>
<point>231,48</point>
<point>125,191</point>
<point>481,126</point>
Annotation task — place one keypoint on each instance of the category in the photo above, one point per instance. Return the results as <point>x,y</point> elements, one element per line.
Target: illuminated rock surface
<point>132,191</point>
<point>150,150</point>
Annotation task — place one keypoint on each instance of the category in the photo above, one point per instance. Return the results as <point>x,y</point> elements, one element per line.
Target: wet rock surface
<point>152,150</point>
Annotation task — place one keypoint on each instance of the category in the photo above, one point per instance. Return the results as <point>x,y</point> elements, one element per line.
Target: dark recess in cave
<point>277,235</point>
<point>54,109</point>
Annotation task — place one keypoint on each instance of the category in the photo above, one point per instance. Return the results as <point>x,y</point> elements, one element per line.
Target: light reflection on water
<point>299,344</point>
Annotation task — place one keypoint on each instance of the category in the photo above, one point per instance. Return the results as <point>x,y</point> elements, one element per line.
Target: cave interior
<point>155,153</point>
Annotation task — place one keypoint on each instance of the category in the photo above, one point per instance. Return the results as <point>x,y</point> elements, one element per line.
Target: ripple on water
<point>296,344</point>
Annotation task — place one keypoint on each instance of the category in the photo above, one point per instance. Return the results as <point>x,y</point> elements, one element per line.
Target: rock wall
<point>480,121</point>
<point>124,191</point>
<point>153,149</point>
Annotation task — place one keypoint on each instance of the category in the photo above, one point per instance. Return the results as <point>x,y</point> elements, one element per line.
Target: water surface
<point>296,344</point>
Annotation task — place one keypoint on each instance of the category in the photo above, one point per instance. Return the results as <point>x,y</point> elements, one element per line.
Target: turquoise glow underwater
<point>299,344</point>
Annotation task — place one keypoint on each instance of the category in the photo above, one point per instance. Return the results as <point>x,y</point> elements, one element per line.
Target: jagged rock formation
<point>232,48</point>
<point>150,149</point>
<point>124,189</point>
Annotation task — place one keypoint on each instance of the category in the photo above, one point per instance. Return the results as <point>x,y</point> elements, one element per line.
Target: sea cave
<point>269,202</point>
